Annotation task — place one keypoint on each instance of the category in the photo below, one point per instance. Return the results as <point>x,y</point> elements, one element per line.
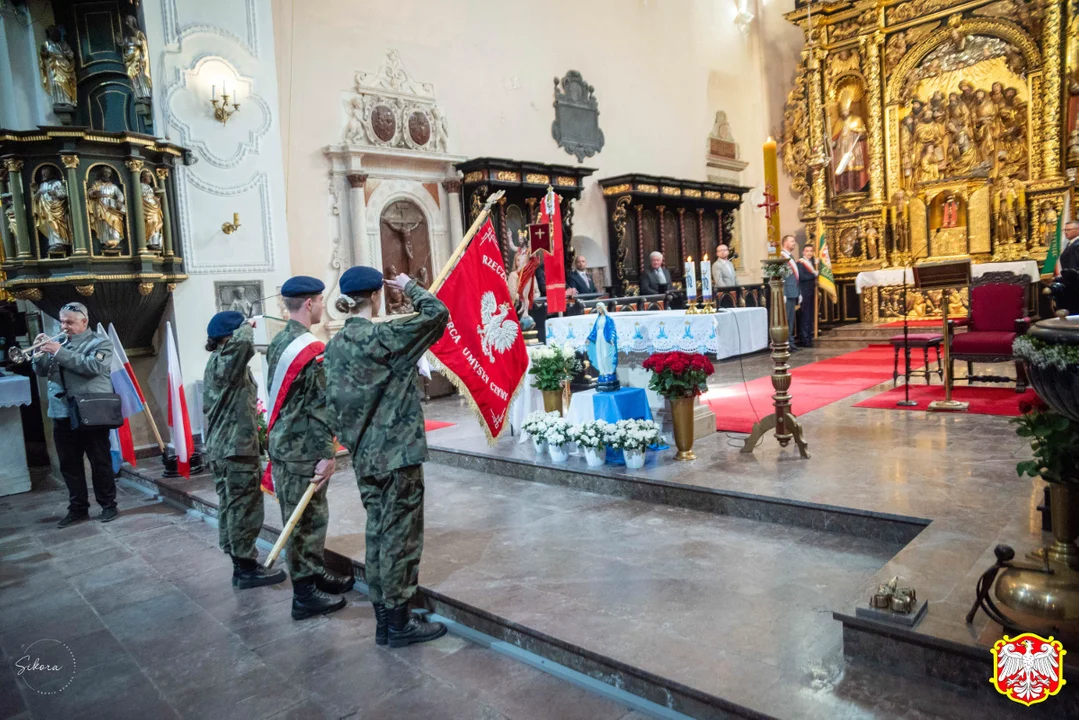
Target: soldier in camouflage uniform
<point>375,408</point>
<point>302,451</point>
<point>232,444</point>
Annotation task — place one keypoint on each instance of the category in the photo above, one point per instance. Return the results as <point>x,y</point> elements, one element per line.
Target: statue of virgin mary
<point>603,350</point>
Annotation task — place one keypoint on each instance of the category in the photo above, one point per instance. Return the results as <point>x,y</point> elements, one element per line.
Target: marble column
<point>453,195</point>
<point>135,166</point>
<point>18,205</point>
<point>166,217</point>
<point>357,211</point>
<point>80,233</point>
<point>5,229</point>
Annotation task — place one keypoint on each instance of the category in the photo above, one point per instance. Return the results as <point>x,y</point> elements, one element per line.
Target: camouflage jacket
<point>229,395</point>
<point>301,433</point>
<point>81,366</point>
<point>374,401</point>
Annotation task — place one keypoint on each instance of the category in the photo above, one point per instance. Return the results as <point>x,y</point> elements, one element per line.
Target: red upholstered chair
<point>998,314</point>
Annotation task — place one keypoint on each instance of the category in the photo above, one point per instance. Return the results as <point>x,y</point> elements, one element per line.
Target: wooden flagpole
<point>463,245</point>
<point>290,526</point>
<point>153,427</point>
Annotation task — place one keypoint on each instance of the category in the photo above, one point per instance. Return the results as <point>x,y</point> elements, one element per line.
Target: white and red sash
<point>793,265</point>
<point>807,265</point>
<point>296,357</point>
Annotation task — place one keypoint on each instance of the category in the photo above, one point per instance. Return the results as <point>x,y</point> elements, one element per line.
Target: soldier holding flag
<point>375,409</point>
<point>302,447</point>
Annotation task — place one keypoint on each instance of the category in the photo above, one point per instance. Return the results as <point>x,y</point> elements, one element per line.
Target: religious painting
<point>406,248</point>
<point>242,297</point>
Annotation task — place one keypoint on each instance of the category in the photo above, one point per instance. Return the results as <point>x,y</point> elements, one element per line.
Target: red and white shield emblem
<point>1028,668</point>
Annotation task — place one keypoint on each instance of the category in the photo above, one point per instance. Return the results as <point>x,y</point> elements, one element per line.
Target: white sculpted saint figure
<point>108,211</point>
<point>151,211</point>
<point>57,68</point>
<point>603,349</point>
<point>50,211</point>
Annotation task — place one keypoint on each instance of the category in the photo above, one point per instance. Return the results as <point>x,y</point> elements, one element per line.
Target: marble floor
<point>145,607</point>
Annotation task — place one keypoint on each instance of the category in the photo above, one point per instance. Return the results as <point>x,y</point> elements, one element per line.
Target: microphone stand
<point>906,401</point>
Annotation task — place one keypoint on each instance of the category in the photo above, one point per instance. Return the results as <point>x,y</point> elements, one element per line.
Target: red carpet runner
<point>983,400</point>
<point>814,386</point>
<point>429,425</point>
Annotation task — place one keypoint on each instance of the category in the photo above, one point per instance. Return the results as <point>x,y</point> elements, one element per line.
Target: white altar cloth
<point>894,276</point>
<point>14,473</point>
<point>726,333</point>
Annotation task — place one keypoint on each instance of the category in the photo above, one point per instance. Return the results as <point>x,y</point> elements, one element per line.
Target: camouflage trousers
<point>239,504</point>
<point>308,540</point>
<point>394,536</point>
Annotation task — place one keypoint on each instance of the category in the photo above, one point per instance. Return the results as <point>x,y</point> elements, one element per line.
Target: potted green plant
<point>553,366</point>
<point>680,377</point>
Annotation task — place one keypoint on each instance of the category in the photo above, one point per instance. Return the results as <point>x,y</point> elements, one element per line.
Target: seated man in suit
<point>579,279</point>
<point>723,275</point>
<point>656,280</point>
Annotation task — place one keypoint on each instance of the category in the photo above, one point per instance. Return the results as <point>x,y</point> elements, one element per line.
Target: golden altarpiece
<point>931,129</point>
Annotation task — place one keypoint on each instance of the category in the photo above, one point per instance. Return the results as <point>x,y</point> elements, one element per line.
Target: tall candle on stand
<point>691,280</point>
<point>771,196</point>
<point>706,280</point>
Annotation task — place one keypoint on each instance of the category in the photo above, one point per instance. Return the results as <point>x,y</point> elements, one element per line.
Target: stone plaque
<point>576,124</point>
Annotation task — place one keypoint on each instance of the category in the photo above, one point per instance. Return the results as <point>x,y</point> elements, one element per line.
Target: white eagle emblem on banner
<point>496,333</point>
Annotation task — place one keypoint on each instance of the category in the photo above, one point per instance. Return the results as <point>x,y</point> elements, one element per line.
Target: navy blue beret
<point>224,323</point>
<point>360,279</point>
<point>302,285</point>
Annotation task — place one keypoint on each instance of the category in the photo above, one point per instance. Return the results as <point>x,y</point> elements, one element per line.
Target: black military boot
<point>406,630</point>
<point>382,624</point>
<point>333,584</point>
<point>308,601</point>
<point>247,573</point>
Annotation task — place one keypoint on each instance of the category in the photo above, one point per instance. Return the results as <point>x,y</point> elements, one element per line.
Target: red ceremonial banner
<point>482,351</point>
<point>539,237</point>
<point>554,265</point>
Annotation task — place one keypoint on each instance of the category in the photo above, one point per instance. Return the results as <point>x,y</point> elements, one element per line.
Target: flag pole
<point>153,427</point>
<point>463,245</point>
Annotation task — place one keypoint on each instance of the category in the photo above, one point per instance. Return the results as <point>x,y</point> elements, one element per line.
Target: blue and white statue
<point>603,350</point>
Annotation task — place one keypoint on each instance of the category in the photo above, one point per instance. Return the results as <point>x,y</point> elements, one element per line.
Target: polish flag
<point>121,444</point>
<point>118,352</point>
<point>179,421</point>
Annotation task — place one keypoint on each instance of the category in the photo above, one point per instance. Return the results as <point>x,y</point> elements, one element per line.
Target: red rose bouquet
<point>678,374</point>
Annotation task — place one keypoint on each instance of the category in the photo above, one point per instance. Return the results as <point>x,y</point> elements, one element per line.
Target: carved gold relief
<point>84,290</point>
<point>690,192</point>
<point>617,189</point>
<point>475,176</point>
<point>920,304</point>
<point>537,179</point>
<point>508,176</point>
<point>668,190</point>
<point>712,195</point>
<point>146,288</point>
<point>618,219</point>
<point>642,187</point>
<point>31,294</point>
<point>915,8</point>
<point>564,181</point>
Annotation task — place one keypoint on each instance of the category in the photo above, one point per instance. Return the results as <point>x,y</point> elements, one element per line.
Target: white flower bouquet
<point>633,435</point>
<point>590,434</point>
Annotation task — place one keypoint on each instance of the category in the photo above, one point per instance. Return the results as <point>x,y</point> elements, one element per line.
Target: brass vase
<point>552,401</point>
<point>682,414</point>
<point>1064,508</point>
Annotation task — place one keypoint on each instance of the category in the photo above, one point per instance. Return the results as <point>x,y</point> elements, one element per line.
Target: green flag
<point>1051,266</point>
<point>825,279</point>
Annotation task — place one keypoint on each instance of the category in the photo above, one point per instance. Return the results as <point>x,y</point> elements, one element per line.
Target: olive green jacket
<point>373,395</point>
<point>86,362</point>
<point>229,397</point>
<point>301,433</point>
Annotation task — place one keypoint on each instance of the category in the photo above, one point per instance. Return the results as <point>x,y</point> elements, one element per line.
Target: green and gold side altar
<point>931,129</point>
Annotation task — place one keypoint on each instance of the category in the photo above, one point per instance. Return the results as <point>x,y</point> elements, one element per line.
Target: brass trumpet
<point>24,355</point>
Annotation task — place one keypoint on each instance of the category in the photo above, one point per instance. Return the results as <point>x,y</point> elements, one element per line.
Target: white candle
<point>213,90</point>
<point>691,279</point>
<point>706,279</point>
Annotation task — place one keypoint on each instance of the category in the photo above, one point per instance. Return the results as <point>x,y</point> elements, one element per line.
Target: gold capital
<point>133,165</point>
<point>70,161</point>
<point>13,165</point>
<point>162,172</point>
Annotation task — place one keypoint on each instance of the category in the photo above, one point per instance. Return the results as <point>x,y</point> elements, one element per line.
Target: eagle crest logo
<point>1028,668</point>
<point>497,332</point>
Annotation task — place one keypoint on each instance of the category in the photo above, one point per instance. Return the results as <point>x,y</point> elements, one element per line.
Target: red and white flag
<point>118,352</point>
<point>554,264</point>
<point>482,351</point>
<point>304,349</point>
<point>179,420</point>
<point>121,441</point>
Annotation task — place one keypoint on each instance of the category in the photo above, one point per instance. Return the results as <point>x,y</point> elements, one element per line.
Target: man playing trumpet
<point>78,367</point>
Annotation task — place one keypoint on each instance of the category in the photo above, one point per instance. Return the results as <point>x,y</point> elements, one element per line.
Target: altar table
<point>726,333</point>
<point>623,404</point>
<point>14,473</point>
<point>894,276</point>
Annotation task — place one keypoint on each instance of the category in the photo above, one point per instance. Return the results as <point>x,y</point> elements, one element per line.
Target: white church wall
<point>661,70</point>
<point>23,103</point>
<point>195,46</point>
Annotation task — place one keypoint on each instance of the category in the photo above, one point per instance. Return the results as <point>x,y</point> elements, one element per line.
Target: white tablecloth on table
<point>726,333</point>
<point>894,276</point>
<point>14,390</point>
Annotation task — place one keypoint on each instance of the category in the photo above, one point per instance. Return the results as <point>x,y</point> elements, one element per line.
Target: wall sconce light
<point>230,227</point>
<point>221,107</point>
